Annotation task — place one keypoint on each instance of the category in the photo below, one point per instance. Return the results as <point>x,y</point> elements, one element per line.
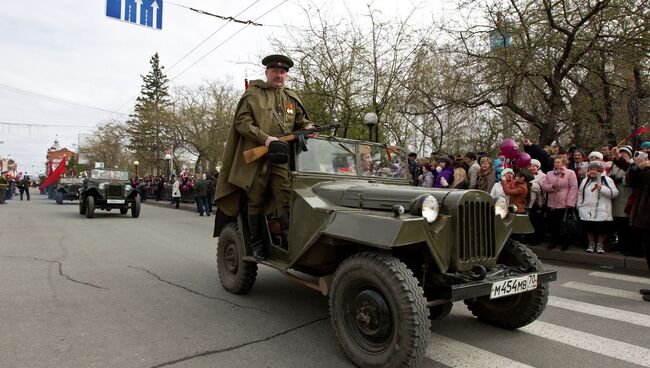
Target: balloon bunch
<point>510,150</point>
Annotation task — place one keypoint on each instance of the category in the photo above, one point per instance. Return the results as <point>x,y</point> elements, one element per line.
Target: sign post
<point>146,13</point>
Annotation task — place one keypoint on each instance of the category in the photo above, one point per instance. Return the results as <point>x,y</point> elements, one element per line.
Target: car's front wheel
<point>59,197</point>
<point>135,207</point>
<point>235,274</point>
<point>517,310</point>
<point>82,206</point>
<point>90,206</point>
<point>379,312</point>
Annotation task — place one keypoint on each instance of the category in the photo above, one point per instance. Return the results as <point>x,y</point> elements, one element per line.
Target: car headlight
<point>427,207</point>
<point>501,207</point>
<point>127,187</point>
<point>102,186</point>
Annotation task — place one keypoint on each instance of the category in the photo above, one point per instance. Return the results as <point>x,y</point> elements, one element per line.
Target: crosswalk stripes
<point>600,311</point>
<point>590,342</point>
<point>618,276</point>
<point>602,290</point>
<point>454,353</point>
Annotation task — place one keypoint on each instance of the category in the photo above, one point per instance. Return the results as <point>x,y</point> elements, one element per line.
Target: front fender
<point>520,224</point>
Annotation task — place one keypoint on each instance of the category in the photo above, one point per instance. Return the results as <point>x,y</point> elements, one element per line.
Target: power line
<point>190,52</point>
<point>223,17</point>
<point>226,40</point>
<point>20,90</point>
<point>46,125</point>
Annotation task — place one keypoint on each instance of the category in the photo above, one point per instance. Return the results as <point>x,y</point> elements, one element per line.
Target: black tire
<point>135,207</point>
<point>236,275</point>
<point>90,206</point>
<point>439,312</point>
<point>518,310</point>
<point>82,206</point>
<point>59,197</point>
<point>124,210</point>
<point>379,312</point>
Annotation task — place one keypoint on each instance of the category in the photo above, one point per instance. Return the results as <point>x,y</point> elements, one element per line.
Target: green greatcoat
<point>253,121</point>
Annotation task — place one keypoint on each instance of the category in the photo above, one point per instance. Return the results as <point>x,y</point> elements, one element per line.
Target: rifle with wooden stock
<point>258,152</point>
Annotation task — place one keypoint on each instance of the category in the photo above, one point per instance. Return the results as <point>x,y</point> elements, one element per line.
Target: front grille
<point>476,231</point>
<point>114,191</point>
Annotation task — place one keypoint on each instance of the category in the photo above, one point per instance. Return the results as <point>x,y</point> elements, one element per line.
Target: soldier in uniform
<point>265,111</point>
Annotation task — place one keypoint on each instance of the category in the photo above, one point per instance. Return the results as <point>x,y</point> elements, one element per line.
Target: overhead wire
<point>190,52</point>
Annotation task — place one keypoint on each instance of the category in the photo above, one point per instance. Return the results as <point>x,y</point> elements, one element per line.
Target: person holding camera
<point>638,178</point>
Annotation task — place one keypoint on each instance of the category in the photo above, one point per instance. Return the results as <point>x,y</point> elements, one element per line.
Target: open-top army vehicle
<point>107,189</point>
<point>68,189</point>
<point>391,257</point>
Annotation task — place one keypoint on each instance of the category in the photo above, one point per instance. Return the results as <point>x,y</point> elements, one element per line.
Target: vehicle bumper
<point>483,287</point>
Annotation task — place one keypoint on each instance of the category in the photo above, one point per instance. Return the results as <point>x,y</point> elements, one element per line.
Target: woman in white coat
<point>595,195</point>
<point>176,191</point>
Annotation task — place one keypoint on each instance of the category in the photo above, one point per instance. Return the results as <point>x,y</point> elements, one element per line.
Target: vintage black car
<point>391,257</point>
<point>107,189</point>
<point>68,189</point>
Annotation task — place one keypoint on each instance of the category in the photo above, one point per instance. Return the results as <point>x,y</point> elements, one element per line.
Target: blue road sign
<point>146,13</point>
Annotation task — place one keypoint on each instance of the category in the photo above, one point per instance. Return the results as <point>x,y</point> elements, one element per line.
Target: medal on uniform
<point>290,108</point>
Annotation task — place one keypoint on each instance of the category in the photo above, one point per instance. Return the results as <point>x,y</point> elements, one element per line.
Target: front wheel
<point>379,312</point>
<point>82,206</point>
<point>135,208</point>
<point>90,207</point>
<point>235,274</point>
<point>518,310</point>
<point>59,197</point>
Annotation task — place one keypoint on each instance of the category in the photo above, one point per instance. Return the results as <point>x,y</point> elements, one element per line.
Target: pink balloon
<point>509,148</point>
<point>522,161</point>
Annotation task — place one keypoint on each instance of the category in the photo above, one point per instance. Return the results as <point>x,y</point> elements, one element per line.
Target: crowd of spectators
<point>600,200</point>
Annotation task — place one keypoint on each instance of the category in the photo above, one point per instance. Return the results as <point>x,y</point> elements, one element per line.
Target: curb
<point>189,207</point>
<point>579,256</point>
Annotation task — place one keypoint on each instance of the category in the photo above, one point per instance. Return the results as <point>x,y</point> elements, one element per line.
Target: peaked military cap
<point>279,61</point>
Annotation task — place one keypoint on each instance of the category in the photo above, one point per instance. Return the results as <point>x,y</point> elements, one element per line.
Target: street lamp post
<point>136,163</point>
<point>168,157</point>
<point>370,120</point>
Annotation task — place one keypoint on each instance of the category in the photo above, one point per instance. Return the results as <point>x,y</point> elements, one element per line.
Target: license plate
<point>513,286</point>
<point>115,201</point>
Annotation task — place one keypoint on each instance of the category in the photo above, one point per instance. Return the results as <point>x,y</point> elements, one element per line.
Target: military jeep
<point>108,189</point>
<point>68,189</point>
<point>390,257</point>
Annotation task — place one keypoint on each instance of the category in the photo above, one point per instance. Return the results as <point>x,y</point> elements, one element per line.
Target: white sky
<point>68,50</point>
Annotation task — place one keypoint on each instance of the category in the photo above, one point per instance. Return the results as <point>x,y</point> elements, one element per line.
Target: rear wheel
<point>518,310</point>
<point>82,206</point>
<point>379,312</point>
<point>59,197</point>
<point>236,275</point>
<point>90,207</point>
<point>135,208</point>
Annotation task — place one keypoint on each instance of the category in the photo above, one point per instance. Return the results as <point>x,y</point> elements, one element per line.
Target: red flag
<point>246,83</point>
<point>642,129</point>
<point>54,175</point>
<point>51,169</point>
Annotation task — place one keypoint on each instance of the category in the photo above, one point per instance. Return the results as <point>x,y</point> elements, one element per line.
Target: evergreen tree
<point>149,129</point>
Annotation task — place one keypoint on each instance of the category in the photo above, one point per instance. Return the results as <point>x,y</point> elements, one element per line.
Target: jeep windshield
<point>109,175</point>
<point>334,156</point>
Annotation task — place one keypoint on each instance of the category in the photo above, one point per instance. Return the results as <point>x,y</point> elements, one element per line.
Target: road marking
<point>597,344</point>
<point>457,354</point>
<point>618,276</point>
<point>603,290</point>
<point>600,311</point>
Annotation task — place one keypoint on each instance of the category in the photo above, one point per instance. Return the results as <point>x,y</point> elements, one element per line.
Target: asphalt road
<point>114,291</point>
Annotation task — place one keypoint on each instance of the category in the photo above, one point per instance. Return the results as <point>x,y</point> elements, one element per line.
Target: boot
<point>284,225</point>
<point>255,225</point>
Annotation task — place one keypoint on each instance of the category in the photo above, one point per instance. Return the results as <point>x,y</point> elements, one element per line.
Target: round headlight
<point>501,207</point>
<point>127,187</point>
<point>427,207</point>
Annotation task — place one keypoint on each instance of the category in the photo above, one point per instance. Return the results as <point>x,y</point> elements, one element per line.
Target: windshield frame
<point>95,172</point>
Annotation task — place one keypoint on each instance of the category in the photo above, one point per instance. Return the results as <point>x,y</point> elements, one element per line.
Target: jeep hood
<point>375,196</point>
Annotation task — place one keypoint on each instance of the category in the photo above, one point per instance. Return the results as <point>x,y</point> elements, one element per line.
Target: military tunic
<point>262,111</point>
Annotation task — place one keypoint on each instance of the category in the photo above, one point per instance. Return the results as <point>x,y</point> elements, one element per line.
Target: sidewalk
<point>573,255</point>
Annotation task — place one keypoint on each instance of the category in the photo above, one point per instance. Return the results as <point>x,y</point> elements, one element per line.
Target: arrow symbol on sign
<point>154,5</point>
<point>124,16</point>
<point>138,6</point>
